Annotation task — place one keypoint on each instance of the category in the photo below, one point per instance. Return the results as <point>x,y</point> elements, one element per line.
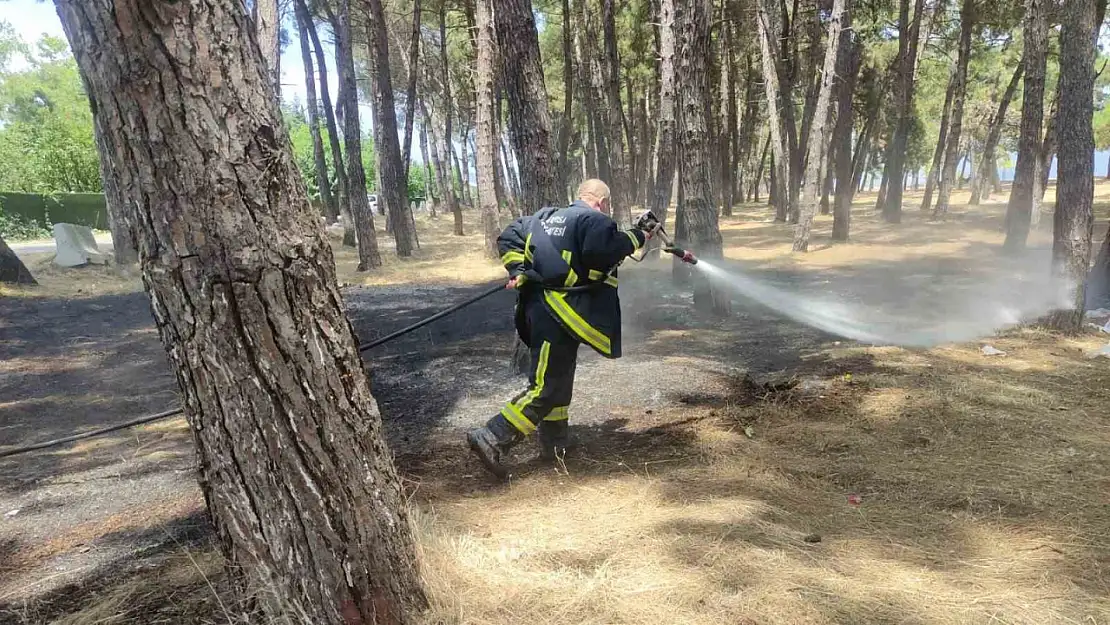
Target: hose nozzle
<point>685,256</point>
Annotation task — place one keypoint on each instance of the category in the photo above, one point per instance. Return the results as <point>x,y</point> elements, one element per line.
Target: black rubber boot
<point>491,443</point>
<point>554,439</point>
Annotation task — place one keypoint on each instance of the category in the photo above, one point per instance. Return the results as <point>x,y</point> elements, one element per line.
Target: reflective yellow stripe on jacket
<point>558,303</point>
<point>596,275</point>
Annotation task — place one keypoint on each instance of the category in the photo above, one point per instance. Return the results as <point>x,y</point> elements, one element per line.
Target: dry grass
<point>980,482</point>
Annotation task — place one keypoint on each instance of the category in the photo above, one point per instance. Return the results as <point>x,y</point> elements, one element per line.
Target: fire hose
<point>647,222</point>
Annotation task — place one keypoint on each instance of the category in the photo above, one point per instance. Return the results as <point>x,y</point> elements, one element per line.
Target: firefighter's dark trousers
<point>550,381</point>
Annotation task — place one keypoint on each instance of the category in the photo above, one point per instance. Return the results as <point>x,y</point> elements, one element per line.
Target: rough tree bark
<point>842,134</point>
<point>124,249</point>
<point>410,89</point>
<point>349,239</point>
<point>988,167</point>
<point>959,93</point>
<point>393,190</point>
<point>487,137</point>
<point>1019,211</point>
<point>665,139</point>
<point>818,137</point>
<point>696,218</point>
<point>267,24</point>
<point>529,120</point>
<point>1073,221</point>
<point>368,255</point>
<point>908,32</point>
<point>12,269</point>
<point>331,207</point>
<point>778,115</point>
<point>292,457</point>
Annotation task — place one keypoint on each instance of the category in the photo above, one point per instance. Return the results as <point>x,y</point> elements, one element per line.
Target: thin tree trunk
<point>331,207</point>
<point>529,120</point>
<point>728,109</point>
<point>842,134</point>
<point>937,165</point>
<point>368,255</point>
<point>349,238</point>
<point>567,125</point>
<point>464,162</point>
<point>487,137</point>
<point>696,219</point>
<point>12,269</point>
<point>896,156</point>
<point>124,247</point>
<point>778,116</point>
<point>245,298</point>
<point>431,178</point>
<point>393,190</point>
<point>1074,222</point>
<point>988,171</point>
<point>759,168</point>
<point>1047,154</point>
<point>410,91</point>
<point>621,200</point>
<point>818,137</point>
<point>746,137</point>
<point>448,150</point>
<point>967,26</point>
<point>1019,211</point>
<point>666,119</point>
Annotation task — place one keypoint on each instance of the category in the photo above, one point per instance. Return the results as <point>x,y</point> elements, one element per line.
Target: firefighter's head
<point>595,193</point>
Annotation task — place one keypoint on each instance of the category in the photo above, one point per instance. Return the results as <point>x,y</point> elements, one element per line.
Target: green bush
<point>83,209</point>
<point>19,228</point>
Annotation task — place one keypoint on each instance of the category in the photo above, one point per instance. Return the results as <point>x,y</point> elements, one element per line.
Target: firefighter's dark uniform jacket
<point>561,248</point>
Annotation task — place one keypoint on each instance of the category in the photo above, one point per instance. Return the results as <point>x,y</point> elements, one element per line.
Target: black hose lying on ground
<point>176,411</point>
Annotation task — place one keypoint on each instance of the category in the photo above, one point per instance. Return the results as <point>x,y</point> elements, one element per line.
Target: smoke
<point>920,306</point>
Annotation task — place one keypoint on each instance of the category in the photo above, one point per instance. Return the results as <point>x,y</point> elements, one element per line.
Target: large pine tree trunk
<point>988,168</point>
<point>292,460</point>
<point>1019,211</point>
<point>487,135</point>
<point>908,32</point>
<point>959,92</point>
<point>818,137</point>
<point>393,191</point>
<point>529,120</point>
<point>12,269</point>
<point>778,115</point>
<point>842,135</point>
<point>368,255</point>
<point>666,119</point>
<point>696,218</point>
<point>1073,223</point>
<point>349,239</point>
<point>331,207</point>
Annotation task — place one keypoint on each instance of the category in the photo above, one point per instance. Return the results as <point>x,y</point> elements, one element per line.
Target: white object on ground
<point>76,246</point>
<point>1104,352</point>
<point>990,350</point>
<point>11,513</point>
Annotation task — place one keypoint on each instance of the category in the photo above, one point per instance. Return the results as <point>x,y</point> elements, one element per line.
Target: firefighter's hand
<point>515,282</point>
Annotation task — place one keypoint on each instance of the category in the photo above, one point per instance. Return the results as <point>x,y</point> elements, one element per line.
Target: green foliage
<point>46,127</point>
<point>19,228</point>
<point>86,209</point>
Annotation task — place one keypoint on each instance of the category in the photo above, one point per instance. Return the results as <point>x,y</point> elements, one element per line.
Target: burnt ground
<point>73,513</point>
<point>80,514</point>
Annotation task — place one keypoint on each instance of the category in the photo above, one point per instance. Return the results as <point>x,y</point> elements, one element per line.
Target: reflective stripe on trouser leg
<point>552,383</point>
<point>558,413</point>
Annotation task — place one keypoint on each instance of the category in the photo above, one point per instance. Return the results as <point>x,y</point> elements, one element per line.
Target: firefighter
<point>563,263</point>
